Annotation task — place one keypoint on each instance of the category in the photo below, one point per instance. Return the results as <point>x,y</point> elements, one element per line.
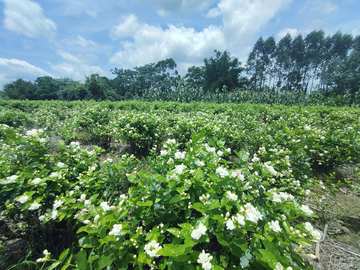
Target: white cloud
<point>143,43</point>
<point>75,66</point>
<point>129,25</point>
<point>152,43</point>
<point>292,31</point>
<point>80,41</point>
<point>213,13</point>
<point>26,17</point>
<point>243,19</point>
<point>323,6</point>
<point>15,66</point>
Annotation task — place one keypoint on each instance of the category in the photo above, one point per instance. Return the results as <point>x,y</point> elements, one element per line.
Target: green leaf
<point>162,263</point>
<point>106,260</point>
<point>268,258</point>
<point>198,174</point>
<point>87,242</point>
<point>241,243</point>
<point>172,250</point>
<point>222,239</point>
<point>242,155</point>
<point>142,257</point>
<point>54,265</point>
<point>199,207</point>
<point>10,134</point>
<point>63,254</point>
<point>81,260</point>
<point>65,267</point>
<point>224,260</point>
<point>217,267</point>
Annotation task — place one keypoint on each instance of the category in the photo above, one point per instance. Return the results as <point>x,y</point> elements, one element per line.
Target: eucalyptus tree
<point>297,77</point>
<point>314,44</point>
<point>283,62</point>
<point>260,63</point>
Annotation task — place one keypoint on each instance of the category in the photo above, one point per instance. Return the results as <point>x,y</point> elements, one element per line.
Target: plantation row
<point>211,186</point>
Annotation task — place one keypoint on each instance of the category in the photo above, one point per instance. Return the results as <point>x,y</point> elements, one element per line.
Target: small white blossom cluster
<point>199,163</point>
<point>34,206</point>
<point>163,152</point>
<point>306,209</point>
<point>222,172</point>
<point>203,198</point>
<point>116,230</point>
<point>170,141</point>
<point>105,206</point>
<point>11,179</point>
<point>271,169</point>
<point>209,149</point>
<point>275,226</point>
<point>57,204</point>
<point>199,231</point>
<point>251,213</point>
<point>204,259</point>
<point>315,233</point>
<point>23,199</point>
<point>282,196</point>
<point>47,256</point>
<point>152,248</point>
<point>180,155</point>
<point>231,196</point>
<point>34,132</point>
<point>179,169</point>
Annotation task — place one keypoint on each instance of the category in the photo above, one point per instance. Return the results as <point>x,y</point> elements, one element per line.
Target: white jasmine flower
<point>199,231</point>
<point>171,141</point>
<point>74,144</point>
<point>87,202</point>
<point>23,199</point>
<point>12,178</point>
<point>60,164</point>
<point>199,163</point>
<point>220,153</point>
<point>231,196</point>
<point>34,206</point>
<point>86,222</point>
<point>240,219</point>
<point>179,155</point>
<point>42,217</point>
<point>163,152</point>
<point>276,198</point>
<point>252,214</point>
<point>53,174</point>
<point>222,172</point>
<point>230,225</point>
<point>105,206</point>
<point>204,259</point>
<point>96,218</point>
<point>82,196</point>
<point>279,266</point>
<point>274,225</point>
<point>308,226</point>
<point>180,168</point>
<point>306,210</point>
<point>152,248</point>
<point>71,193</point>
<point>170,161</point>
<point>36,181</point>
<point>116,230</point>
<point>57,204</point>
<point>54,214</point>
<point>34,132</point>
<point>307,127</point>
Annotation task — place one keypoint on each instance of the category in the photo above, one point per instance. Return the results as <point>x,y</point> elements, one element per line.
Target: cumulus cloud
<point>213,13</point>
<point>143,43</point>
<point>292,31</point>
<point>243,19</point>
<point>12,69</point>
<point>26,17</point>
<point>75,66</point>
<point>323,6</point>
<point>15,66</point>
<point>152,43</point>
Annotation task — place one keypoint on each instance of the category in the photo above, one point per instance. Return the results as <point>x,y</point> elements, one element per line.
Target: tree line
<point>300,64</point>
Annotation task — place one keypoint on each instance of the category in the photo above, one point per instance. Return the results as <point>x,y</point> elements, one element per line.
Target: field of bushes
<point>165,185</point>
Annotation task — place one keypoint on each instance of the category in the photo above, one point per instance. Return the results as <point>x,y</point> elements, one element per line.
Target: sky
<point>76,38</point>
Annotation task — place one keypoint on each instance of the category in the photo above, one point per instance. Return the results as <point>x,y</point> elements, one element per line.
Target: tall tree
<point>283,61</point>
<point>222,70</point>
<point>195,77</point>
<point>19,89</point>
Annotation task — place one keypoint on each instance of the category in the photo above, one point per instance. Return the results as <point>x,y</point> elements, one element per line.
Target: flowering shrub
<point>192,205</point>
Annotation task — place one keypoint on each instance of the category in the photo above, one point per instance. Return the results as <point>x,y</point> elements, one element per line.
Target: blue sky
<point>74,38</point>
